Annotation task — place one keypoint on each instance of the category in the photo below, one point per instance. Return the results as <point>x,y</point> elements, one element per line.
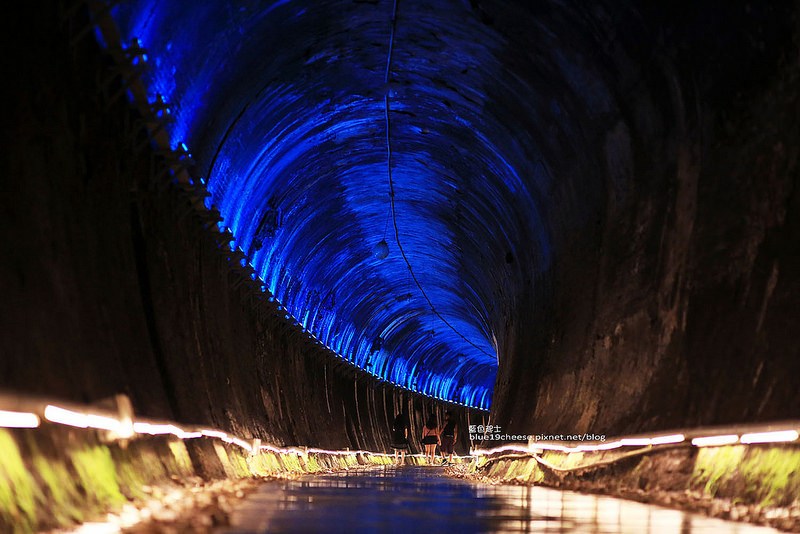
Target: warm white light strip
<point>313,450</point>
<point>155,429</point>
<point>54,414</point>
<point>504,448</point>
<point>82,420</point>
<point>607,446</point>
<point>242,443</point>
<point>635,442</point>
<point>778,436</point>
<point>125,428</point>
<point>593,447</point>
<point>214,433</point>
<point>323,451</point>
<point>715,441</point>
<point>604,446</point>
<point>101,422</point>
<point>553,447</point>
<point>18,419</point>
<point>666,440</point>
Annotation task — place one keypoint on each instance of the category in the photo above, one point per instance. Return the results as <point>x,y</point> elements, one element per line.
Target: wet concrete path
<point>419,499</point>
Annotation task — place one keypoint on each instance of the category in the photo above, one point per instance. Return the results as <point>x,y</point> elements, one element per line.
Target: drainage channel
<point>424,499</point>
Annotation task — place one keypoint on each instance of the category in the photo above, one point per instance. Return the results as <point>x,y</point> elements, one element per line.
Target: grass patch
<point>17,503</point>
<point>182,463</point>
<point>772,475</point>
<point>59,494</point>
<point>98,476</point>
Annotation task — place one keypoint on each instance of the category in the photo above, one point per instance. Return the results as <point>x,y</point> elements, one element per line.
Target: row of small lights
<point>750,438</point>
<point>123,429</point>
<point>128,428</point>
<point>184,151</point>
<point>311,335</point>
<point>289,316</point>
<point>135,52</point>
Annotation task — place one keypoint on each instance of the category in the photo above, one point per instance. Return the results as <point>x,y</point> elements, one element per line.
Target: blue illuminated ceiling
<point>283,106</point>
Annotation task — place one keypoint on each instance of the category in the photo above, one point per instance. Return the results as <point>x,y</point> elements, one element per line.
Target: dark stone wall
<point>673,298</point>
<point>111,285</point>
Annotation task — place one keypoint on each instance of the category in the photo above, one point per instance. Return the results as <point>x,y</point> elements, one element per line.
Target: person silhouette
<point>400,438</point>
<point>430,438</point>
<point>449,437</point>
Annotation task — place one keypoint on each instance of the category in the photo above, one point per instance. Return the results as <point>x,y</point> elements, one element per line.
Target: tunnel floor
<point>421,499</point>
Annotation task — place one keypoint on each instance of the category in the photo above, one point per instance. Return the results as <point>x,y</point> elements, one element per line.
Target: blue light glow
<point>284,107</point>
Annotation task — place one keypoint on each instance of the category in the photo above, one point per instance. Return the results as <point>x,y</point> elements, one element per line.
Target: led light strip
<point>124,428</point>
<point>715,441</point>
<point>772,436</point>
<point>157,111</point>
<point>778,436</point>
<point>9,419</point>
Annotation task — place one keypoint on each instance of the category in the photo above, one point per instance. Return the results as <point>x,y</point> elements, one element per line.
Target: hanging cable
<point>387,108</point>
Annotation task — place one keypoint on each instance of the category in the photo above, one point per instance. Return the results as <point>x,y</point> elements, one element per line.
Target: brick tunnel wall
<point>111,285</point>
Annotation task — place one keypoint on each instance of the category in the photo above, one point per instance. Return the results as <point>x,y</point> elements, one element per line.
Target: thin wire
<point>386,225</point>
<point>391,187</point>
<point>391,43</point>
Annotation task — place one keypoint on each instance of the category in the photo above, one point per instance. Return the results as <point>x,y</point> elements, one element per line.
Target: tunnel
<point>294,220</point>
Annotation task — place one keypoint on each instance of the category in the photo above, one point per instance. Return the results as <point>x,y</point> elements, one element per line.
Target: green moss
<point>97,474</point>
<point>312,464</point>
<point>59,494</point>
<point>568,461</point>
<point>528,469</point>
<point>80,483</point>
<point>714,465</point>
<point>17,503</point>
<point>273,463</point>
<point>292,463</point>
<point>766,475</point>
<point>538,475</point>
<point>512,470</point>
<point>238,459</point>
<point>498,469</point>
<point>222,455</point>
<point>137,468</point>
<point>772,475</point>
<point>182,461</point>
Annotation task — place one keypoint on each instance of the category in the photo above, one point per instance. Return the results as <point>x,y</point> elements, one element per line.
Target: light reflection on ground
<point>417,499</point>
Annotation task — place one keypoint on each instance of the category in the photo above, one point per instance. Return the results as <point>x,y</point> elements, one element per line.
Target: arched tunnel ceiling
<point>284,107</point>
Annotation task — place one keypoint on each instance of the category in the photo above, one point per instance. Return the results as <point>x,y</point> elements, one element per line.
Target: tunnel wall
<point>111,285</point>
<point>673,295</point>
<point>670,299</point>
